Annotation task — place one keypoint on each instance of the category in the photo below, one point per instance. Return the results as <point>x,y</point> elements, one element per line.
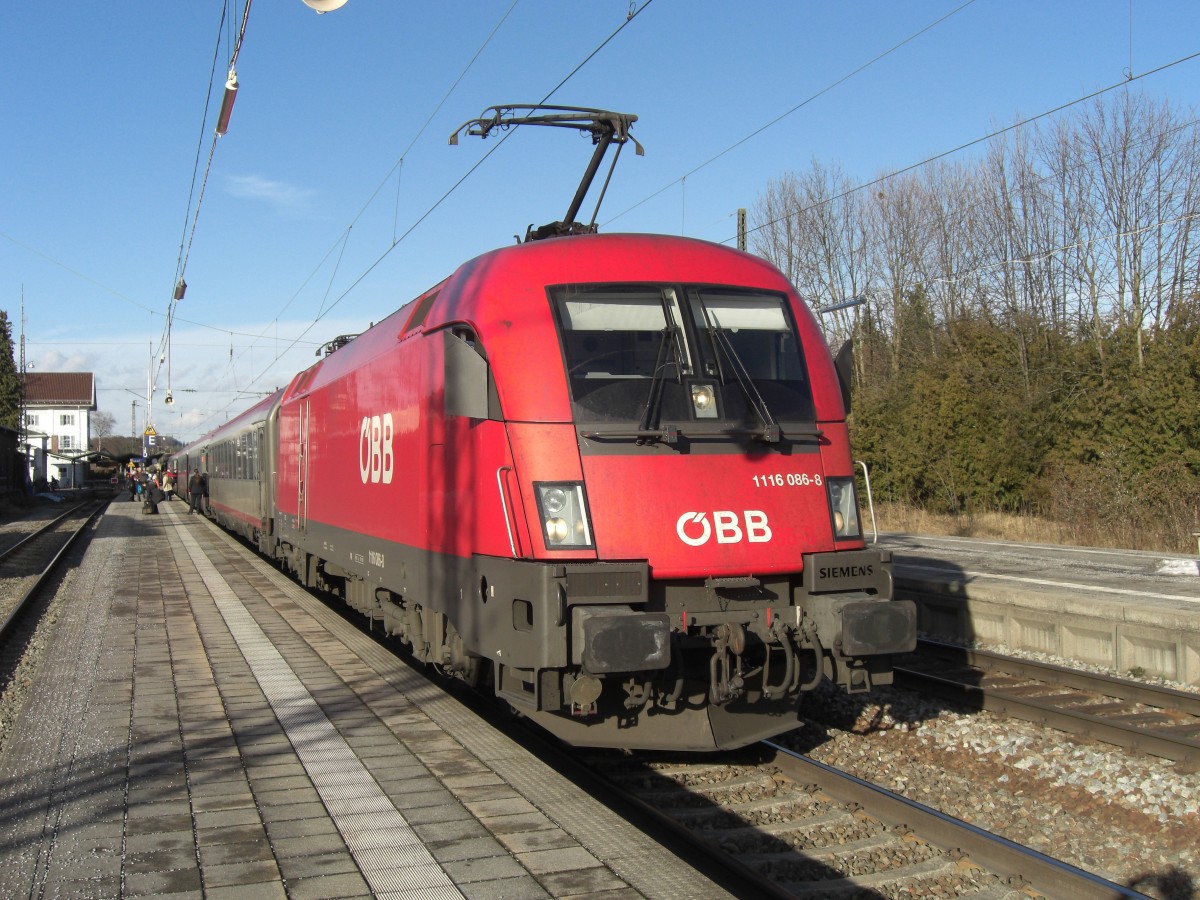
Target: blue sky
<point>321,209</point>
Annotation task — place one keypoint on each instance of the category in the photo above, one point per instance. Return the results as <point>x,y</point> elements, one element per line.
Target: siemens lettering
<point>826,572</point>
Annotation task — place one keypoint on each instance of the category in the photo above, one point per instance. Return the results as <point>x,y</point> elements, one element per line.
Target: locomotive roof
<point>501,294</point>
<point>633,257</point>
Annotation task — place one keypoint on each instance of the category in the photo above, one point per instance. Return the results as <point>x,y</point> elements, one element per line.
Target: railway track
<point>26,564</point>
<point>792,827</point>
<point>1143,717</point>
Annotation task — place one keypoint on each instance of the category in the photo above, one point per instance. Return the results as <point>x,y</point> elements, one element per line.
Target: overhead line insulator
<point>231,88</point>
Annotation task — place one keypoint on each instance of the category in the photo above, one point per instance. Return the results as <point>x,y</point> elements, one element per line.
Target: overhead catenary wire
<point>825,90</point>
<point>971,143</point>
<point>1074,245</point>
<point>184,243</point>
<point>454,187</point>
<point>179,284</point>
<point>340,246</point>
<point>343,240</point>
<point>963,275</point>
<point>397,240</point>
<point>399,164</point>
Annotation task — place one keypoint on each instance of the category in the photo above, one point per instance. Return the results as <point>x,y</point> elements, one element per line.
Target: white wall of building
<point>68,431</point>
<point>69,428</point>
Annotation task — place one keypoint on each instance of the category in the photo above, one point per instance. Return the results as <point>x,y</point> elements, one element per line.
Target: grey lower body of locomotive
<point>600,655</point>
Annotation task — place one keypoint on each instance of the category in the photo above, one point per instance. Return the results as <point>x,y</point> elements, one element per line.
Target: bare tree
<point>812,227</point>
<point>1143,180</point>
<point>898,233</point>
<point>1064,232</point>
<point>102,424</point>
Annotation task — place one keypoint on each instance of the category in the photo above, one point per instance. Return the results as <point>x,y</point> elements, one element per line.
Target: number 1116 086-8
<point>791,479</point>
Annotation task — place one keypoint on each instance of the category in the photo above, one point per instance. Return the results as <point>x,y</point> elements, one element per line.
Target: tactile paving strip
<point>389,853</point>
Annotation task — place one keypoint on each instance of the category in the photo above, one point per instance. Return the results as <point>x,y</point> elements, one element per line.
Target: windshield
<point>652,356</point>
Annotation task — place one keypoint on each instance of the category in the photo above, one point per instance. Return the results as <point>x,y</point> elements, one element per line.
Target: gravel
<point>1130,818</point>
<point>18,667</point>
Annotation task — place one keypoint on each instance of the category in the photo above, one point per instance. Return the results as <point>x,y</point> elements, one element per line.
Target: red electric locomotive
<point>606,476</point>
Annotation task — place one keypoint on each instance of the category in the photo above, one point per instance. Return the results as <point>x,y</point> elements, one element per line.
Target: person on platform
<point>154,496</point>
<point>195,492</point>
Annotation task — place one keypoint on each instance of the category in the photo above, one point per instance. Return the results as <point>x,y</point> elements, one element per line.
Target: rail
<point>49,526</point>
<point>22,604</point>
<point>1051,877</point>
<point>1051,702</point>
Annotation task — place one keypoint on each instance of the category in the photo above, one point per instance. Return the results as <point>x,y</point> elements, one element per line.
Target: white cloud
<point>55,361</point>
<point>280,194</point>
<point>213,375</point>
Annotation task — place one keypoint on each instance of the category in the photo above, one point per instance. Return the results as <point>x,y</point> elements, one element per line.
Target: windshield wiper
<point>668,344</point>
<point>771,432</point>
<point>669,434</point>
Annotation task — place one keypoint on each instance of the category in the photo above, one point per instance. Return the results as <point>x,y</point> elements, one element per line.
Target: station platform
<point>1124,610</point>
<point>202,727</point>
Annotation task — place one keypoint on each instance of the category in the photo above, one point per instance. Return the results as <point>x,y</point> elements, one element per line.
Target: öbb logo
<point>695,530</point>
<point>375,459</point>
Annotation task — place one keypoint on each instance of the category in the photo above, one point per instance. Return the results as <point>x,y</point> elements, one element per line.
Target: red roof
<point>60,389</point>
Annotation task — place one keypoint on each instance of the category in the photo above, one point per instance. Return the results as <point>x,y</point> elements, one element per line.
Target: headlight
<point>563,511</point>
<point>704,401</point>
<point>843,508</point>
<point>554,499</point>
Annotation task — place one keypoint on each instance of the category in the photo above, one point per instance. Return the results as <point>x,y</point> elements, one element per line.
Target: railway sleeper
<point>741,811</point>
<point>855,885</point>
<point>652,787</point>
<point>812,824</point>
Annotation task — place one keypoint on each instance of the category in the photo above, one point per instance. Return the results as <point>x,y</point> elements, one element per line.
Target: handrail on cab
<point>512,545</point>
<point>870,502</point>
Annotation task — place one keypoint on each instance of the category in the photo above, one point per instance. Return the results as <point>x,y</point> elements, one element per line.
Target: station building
<point>57,427</point>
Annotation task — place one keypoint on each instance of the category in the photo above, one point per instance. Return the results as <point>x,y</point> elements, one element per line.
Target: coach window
<point>252,455</point>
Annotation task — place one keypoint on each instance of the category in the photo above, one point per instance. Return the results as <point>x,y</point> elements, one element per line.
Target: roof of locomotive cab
<point>502,294</point>
<point>655,258</point>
